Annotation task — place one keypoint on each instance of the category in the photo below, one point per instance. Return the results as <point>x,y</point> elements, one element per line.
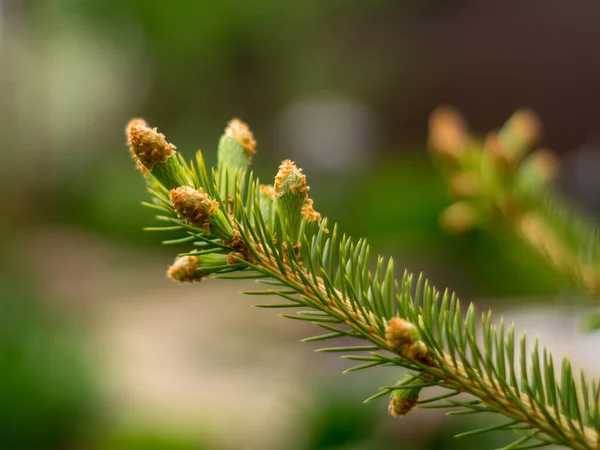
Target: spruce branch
<point>245,230</point>
<point>496,178</point>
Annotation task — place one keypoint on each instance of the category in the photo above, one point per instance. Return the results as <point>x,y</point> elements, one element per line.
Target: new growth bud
<point>291,198</point>
<point>400,406</point>
<point>239,132</point>
<point>153,154</point>
<point>200,210</point>
<point>403,337</point>
<point>291,193</point>
<point>448,133</point>
<point>185,269</point>
<point>400,332</point>
<point>195,267</point>
<point>148,147</point>
<point>404,399</point>
<point>236,147</point>
<point>290,179</point>
<point>193,205</point>
<point>520,133</point>
<point>459,217</point>
<point>538,169</point>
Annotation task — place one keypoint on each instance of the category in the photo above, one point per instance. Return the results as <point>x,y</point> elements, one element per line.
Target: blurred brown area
<point>98,350</point>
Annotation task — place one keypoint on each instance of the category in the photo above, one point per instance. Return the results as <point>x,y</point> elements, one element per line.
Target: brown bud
<point>193,205</point>
<point>399,333</point>
<point>401,406</point>
<point>148,147</point>
<point>135,122</point>
<point>185,269</point>
<point>459,217</point>
<point>448,133</point>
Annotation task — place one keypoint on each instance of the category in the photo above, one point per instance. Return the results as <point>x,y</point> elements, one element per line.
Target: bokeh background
<point>99,351</point>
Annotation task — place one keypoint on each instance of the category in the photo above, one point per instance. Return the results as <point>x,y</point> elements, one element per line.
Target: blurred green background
<point>99,351</point>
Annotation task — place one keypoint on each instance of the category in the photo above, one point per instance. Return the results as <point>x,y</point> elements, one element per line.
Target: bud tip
<point>401,406</point>
<point>448,132</point>
<point>239,131</point>
<point>185,269</point>
<point>290,178</point>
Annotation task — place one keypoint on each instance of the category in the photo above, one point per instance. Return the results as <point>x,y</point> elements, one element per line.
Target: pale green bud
<point>236,147</point>
<point>404,399</point>
<point>291,194</point>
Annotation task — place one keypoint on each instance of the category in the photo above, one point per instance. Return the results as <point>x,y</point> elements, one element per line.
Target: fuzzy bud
<point>196,267</point>
<point>148,147</point>
<point>185,269</point>
<point>193,205</point>
<point>526,124</point>
<point>154,155</point>
<point>400,406</point>
<point>290,179</point>
<point>520,133</point>
<point>291,194</point>
<point>459,217</point>
<point>400,333</point>
<point>239,131</point>
<point>404,399</point>
<point>448,133</point>
<point>538,169</point>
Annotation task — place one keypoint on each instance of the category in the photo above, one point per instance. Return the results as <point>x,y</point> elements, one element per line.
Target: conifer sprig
<point>246,230</point>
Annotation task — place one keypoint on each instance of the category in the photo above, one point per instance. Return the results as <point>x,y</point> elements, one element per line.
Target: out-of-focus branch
<point>503,177</point>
